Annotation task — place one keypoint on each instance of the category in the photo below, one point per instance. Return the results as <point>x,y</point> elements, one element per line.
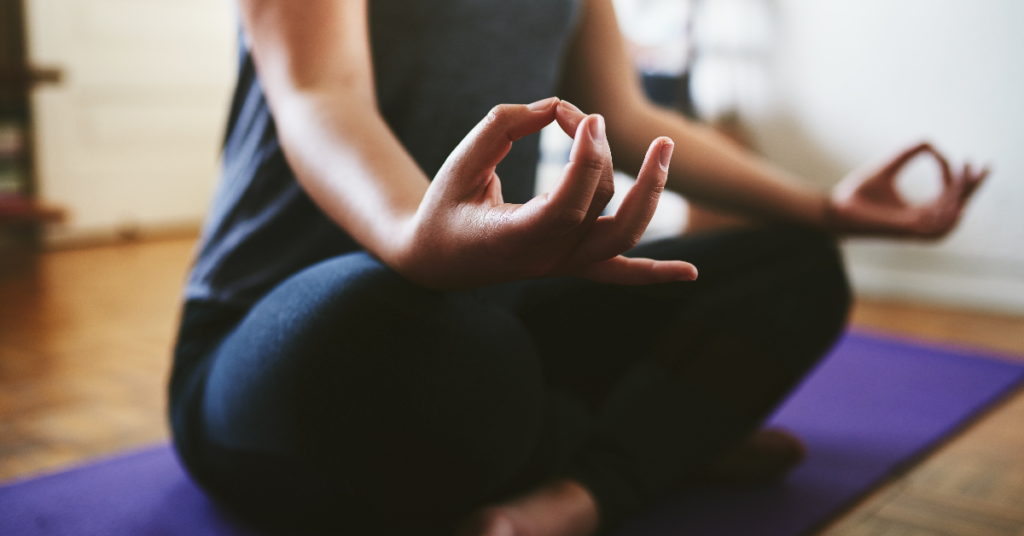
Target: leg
<point>680,372</point>
<point>658,390</point>
<point>349,392</point>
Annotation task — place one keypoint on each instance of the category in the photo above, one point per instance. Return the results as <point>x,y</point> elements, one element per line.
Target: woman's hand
<point>868,203</point>
<point>463,234</point>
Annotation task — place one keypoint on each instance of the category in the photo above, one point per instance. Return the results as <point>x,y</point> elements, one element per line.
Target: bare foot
<point>766,456</point>
<point>561,508</point>
<point>565,508</point>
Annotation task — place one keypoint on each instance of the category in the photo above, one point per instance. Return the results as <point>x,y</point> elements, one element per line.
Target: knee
<point>340,286</point>
<point>828,280</point>
<point>823,286</point>
<point>353,304</point>
<point>440,398</point>
<point>825,278</point>
<point>811,302</point>
<point>814,264</point>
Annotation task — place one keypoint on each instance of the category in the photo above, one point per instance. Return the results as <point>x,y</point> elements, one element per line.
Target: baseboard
<point>69,238</point>
<point>934,276</point>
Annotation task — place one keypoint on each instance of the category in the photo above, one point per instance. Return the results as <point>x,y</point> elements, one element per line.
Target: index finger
<point>569,117</point>
<point>491,139</point>
<point>907,155</point>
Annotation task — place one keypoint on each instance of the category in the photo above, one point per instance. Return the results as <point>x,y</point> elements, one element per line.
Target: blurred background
<point>112,112</point>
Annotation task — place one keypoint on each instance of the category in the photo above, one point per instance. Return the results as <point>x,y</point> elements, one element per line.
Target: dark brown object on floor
<point>22,210</point>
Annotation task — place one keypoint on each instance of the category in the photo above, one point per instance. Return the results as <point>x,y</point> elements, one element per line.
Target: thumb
<point>473,161</point>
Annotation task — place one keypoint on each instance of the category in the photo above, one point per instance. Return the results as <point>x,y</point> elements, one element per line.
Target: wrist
<point>813,209</point>
<point>396,246</point>
<point>829,216</point>
<point>415,251</point>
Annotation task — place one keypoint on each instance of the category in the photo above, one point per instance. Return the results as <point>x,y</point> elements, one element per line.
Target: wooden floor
<point>84,352</point>
<point>974,484</point>
<point>85,339</point>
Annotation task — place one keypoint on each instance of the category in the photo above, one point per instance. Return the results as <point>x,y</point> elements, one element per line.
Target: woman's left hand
<point>868,203</point>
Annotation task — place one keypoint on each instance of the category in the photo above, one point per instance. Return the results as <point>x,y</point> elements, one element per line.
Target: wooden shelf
<point>17,211</point>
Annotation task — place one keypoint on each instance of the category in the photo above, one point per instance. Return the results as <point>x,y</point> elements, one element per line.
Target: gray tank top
<point>439,66</point>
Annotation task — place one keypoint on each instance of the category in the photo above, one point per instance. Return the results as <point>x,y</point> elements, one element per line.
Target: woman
<point>365,349</point>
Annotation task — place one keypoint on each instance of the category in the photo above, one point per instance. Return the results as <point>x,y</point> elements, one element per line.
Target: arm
<point>711,170</point>
<point>313,60</point>
<point>315,67</point>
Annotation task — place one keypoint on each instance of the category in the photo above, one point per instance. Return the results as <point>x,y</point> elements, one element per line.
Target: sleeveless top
<point>439,66</point>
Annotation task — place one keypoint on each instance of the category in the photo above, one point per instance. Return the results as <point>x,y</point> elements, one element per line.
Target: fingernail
<point>542,104</point>
<point>666,154</point>
<point>597,127</point>
<point>570,106</point>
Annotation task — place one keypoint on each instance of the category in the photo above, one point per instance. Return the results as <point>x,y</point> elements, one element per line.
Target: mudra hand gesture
<point>464,235</point>
<point>868,202</point>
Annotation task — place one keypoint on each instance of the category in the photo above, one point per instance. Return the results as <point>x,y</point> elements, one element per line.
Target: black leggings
<point>349,398</point>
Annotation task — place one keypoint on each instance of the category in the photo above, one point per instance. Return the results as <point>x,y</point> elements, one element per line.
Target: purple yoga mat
<point>873,406</point>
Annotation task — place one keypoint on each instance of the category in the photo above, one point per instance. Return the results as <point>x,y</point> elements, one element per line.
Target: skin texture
<point>314,63</point>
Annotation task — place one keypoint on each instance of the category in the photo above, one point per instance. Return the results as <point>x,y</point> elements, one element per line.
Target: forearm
<point>712,170</point>
<point>350,163</point>
<point>314,63</point>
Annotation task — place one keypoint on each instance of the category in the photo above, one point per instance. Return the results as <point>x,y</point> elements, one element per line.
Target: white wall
<point>129,141</point>
<point>855,80</point>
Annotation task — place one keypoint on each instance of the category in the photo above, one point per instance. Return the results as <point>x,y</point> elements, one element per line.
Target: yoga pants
<point>350,400</point>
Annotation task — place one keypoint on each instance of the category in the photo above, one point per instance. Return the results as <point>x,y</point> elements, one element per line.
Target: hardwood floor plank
<point>1000,333</point>
<point>85,338</point>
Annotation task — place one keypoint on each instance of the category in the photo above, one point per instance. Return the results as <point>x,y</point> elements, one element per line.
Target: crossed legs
<point>348,397</point>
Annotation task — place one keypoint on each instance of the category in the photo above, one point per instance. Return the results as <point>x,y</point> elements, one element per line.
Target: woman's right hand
<point>463,234</point>
<point>314,63</point>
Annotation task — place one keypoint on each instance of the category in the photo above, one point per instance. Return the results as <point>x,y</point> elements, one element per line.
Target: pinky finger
<point>973,181</point>
<point>621,270</point>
